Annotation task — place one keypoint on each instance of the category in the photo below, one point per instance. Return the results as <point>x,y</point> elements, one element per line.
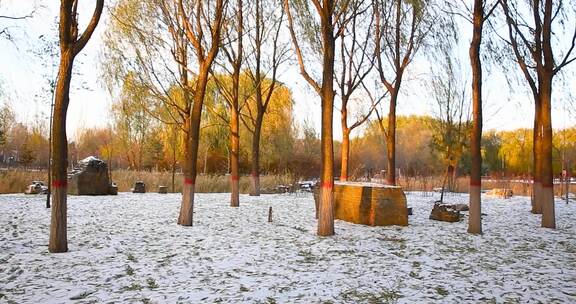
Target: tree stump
<point>139,187</point>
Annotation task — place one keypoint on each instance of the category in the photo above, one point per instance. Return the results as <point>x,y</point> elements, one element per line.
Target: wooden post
<point>567,181</point>
<point>270,215</point>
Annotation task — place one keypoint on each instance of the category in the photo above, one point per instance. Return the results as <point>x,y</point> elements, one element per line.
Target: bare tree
<point>71,43</point>
<point>400,30</point>
<point>233,51</point>
<point>268,54</point>
<point>196,22</point>
<point>531,38</point>
<point>478,18</point>
<point>451,125</point>
<point>332,16</point>
<point>356,62</point>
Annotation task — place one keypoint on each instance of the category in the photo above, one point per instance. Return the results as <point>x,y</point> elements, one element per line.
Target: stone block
<point>369,204</point>
<point>89,177</point>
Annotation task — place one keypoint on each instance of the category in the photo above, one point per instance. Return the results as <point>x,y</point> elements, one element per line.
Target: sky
<point>23,78</point>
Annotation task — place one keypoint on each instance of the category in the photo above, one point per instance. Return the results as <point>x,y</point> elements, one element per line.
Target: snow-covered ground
<point>128,249</point>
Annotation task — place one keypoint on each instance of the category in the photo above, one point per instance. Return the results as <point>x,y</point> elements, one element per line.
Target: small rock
<point>445,213</point>
<point>139,187</point>
<point>460,207</point>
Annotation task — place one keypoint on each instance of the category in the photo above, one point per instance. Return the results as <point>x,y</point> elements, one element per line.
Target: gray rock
<point>89,177</point>
<point>460,207</point>
<point>139,187</point>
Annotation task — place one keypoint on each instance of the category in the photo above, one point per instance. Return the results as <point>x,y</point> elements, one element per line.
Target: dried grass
<point>16,181</point>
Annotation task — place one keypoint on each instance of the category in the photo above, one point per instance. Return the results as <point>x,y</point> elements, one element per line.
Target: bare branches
<point>81,42</point>
<point>297,49</point>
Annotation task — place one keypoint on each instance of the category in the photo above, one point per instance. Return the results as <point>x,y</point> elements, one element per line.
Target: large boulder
<point>89,177</point>
<point>445,213</point>
<point>369,204</point>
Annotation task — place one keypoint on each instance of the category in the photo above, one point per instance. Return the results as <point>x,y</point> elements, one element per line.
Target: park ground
<point>129,249</point>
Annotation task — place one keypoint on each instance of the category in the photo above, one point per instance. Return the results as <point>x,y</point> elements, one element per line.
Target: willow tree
<point>205,16</point>
<point>233,52</point>
<point>401,29</point>
<point>147,59</point>
<point>320,31</point>
<point>475,220</point>
<point>71,43</point>
<point>156,40</point>
<point>268,54</point>
<point>534,36</point>
<point>354,64</point>
<point>478,18</point>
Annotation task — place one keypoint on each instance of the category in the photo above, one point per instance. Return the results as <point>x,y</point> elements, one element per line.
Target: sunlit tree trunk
<point>70,45</point>
<point>205,56</point>
<point>235,146</point>
<point>475,220</point>
<point>391,137</point>
<point>537,163</point>
<point>326,214</point>
<point>255,174</point>
<point>59,223</point>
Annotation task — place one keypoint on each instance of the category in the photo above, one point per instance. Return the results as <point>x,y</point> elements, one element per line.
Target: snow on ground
<point>128,249</point>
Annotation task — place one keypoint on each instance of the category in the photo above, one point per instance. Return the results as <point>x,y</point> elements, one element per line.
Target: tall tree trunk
<point>187,208</point>
<point>326,212</point>
<point>235,150</point>
<point>547,177</point>
<point>475,220</point>
<point>59,222</point>
<point>391,137</point>
<point>537,141</point>
<point>255,175</point>
<point>70,45</point>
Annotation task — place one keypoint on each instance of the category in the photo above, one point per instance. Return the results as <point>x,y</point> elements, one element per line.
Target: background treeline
<point>137,141</point>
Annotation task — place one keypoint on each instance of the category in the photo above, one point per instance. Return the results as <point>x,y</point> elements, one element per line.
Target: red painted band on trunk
<point>327,185</point>
<point>254,174</point>
<point>59,183</point>
<point>188,181</point>
<point>235,178</point>
<point>478,184</point>
<point>547,186</point>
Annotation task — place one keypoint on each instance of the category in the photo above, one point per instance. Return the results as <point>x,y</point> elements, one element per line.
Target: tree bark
<point>326,212</point>
<point>235,149</point>
<point>475,220</point>
<point>187,208</point>
<point>546,197</point>
<point>255,175</point>
<point>70,45</point>
<point>391,137</point>
<point>537,163</point>
<point>59,225</point>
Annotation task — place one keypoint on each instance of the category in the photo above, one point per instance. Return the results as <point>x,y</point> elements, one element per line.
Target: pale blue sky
<point>21,75</point>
